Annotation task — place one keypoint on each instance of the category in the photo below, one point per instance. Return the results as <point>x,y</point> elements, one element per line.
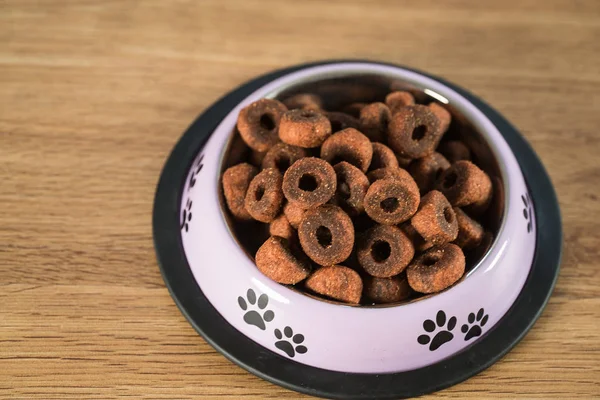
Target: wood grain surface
<point>94,94</point>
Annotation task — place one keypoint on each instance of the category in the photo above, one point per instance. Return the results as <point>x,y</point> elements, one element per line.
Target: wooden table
<point>94,94</point>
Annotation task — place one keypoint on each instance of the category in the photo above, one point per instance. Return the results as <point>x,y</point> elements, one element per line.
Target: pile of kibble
<point>361,209</point>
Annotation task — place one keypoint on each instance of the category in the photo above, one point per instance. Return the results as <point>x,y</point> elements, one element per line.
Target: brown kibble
<point>236,180</point>
<point>282,156</point>
<point>427,170</point>
<point>258,123</point>
<point>264,196</point>
<point>305,101</point>
<point>479,207</point>
<point>354,109</point>
<point>435,220</point>
<point>417,240</point>
<point>336,282</point>
<point>393,196</point>
<point>374,120</point>
<point>276,259</point>
<point>340,121</point>
<point>455,150</point>
<point>465,183</point>
<point>348,145</point>
<point>470,232</point>
<point>391,201</point>
<point>351,188</point>
<point>387,290</point>
<point>384,251</point>
<point>436,269</point>
<point>304,128</point>
<point>393,173</point>
<point>414,131</point>
<point>368,185</point>
<point>309,182</point>
<point>383,157</point>
<point>443,116</point>
<point>281,227</point>
<point>396,100</point>
<point>326,234</point>
<point>293,213</point>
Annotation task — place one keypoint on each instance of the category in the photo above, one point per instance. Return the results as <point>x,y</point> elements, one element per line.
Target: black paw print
<point>527,210</point>
<point>443,336</point>
<point>475,329</point>
<point>286,346</point>
<point>252,317</point>
<point>186,215</point>
<point>195,171</point>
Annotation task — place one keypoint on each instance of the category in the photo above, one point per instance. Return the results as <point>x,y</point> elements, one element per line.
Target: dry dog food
<point>387,290</point>
<point>365,203</point>
<point>259,122</point>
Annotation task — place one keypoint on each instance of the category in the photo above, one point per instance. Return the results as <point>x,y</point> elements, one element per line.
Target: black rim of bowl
<point>331,384</point>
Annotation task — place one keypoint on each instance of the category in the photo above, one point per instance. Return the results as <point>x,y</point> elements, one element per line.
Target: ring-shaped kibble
<point>391,201</point>
<point>258,123</point>
<point>264,196</point>
<point>374,120</point>
<point>304,128</point>
<point>443,116</point>
<point>277,260</point>
<point>396,100</point>
<point>326,234</point>
<point>435,219</point>
<point>351,188</point>
<point>340,121</point>
<point>470,232</point>
<point>436,269</point>
<point>383,157</point>
<point>348,145</point>
<point>464,183</point>
<point>392,173</point>
<point>236,181</point>
<point>454,150</point>
<point>309,182</point>
<point>387,290</point>
<point>336,282</point>
<point>413,131</point>
<point>305,101</point>
<point>282,156</point>
<point>427,170</point>
<point>384,251</point>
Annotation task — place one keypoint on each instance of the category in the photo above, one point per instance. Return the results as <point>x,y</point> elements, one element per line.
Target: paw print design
<point>443,335</point>
<point>527,212</point>
<point>476,324</point>
<point>186,215</point>
<point>286,345</point>
<point>195,171</point>
<point>253,317</point>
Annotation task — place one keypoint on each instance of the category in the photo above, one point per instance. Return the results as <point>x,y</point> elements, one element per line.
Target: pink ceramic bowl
<point>372,352</point>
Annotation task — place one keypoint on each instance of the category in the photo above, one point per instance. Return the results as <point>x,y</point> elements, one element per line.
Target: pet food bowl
<point>338,351</point>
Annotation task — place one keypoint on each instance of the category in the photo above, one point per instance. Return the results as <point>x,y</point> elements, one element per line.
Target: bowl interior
<point>342,89</point>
